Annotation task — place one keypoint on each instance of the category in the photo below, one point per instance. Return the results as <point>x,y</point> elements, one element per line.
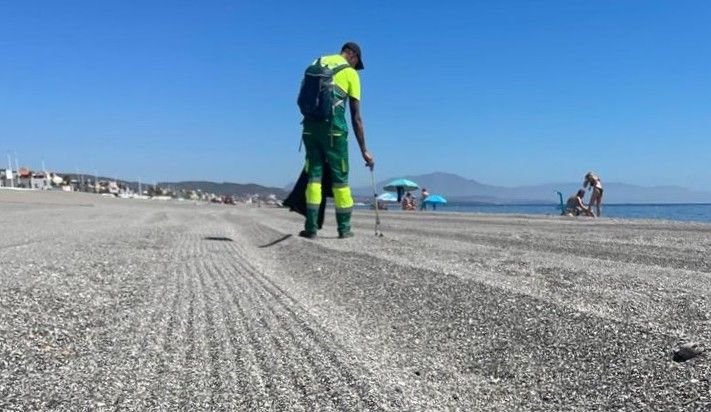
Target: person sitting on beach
<point>408,203</point>
<point>575,205</point>
<point>423,195</point>
<point>595,184</point>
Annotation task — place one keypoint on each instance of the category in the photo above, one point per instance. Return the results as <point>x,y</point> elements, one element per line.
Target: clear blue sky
<point>507,93</point>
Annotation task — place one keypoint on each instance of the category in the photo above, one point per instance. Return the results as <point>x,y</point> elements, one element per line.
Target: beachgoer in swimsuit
<point>423,195</point>
<point>408,203</point>
<point>594,183</point>
<point>575,205</point>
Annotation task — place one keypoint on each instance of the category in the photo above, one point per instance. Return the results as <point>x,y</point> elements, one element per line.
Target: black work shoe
<point>307,235</point>
<point>345,235</point>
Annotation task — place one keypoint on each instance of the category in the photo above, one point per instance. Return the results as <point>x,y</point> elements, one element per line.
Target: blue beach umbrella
<point>435,200</point>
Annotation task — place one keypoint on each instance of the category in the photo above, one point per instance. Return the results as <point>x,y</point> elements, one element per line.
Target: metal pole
<point>17,170</point>
<point>375,200</point>
<point>46,177</point>
<point>11,176</point>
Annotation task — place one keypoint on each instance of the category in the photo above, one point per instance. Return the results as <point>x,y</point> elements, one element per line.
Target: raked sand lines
<point>132,307</point>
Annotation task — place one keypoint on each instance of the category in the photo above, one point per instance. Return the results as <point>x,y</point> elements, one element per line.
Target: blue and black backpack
<point>316,96</point>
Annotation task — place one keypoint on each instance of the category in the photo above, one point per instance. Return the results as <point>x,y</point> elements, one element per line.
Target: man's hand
<point>369,161</point>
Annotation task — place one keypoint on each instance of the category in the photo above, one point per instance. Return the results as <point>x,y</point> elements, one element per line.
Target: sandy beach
<point>131,304</point>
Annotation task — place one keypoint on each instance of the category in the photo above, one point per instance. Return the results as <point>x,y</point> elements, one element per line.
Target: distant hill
<point>458,188</point>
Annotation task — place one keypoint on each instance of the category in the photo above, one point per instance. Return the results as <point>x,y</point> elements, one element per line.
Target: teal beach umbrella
<point>387,197</point>
<point>401,184</point>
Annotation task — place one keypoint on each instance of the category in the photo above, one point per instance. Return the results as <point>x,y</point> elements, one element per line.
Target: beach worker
<point>592,182</point>
<point>328,83</point>
<point>423,195</point>
<point>575,205</point>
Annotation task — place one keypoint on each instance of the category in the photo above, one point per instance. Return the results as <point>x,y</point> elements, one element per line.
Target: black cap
<point>355,49</point>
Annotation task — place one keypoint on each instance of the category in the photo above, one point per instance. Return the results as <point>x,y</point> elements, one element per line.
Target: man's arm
<point>357,123</point>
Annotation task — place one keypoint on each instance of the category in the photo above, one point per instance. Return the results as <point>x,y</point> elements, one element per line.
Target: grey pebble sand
<point>130,304</point>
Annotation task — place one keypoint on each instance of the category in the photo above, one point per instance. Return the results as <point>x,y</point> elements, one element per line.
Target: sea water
<point>694,212</point>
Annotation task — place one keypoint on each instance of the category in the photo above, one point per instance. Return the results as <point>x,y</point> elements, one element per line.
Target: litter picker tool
<point>378,232</point>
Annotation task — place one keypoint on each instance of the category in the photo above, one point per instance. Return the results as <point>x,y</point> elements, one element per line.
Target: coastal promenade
<point>137,304</point>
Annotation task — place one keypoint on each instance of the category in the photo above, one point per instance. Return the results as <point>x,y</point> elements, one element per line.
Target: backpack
<point>316,96</point>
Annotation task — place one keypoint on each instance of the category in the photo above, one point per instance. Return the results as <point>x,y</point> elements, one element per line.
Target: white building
<point>31,180</point>
<point>7,178</point>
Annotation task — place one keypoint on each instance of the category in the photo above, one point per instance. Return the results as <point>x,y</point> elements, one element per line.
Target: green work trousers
<point>327,148</point>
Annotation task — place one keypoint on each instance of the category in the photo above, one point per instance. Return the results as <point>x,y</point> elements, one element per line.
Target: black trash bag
<point>296,201</point>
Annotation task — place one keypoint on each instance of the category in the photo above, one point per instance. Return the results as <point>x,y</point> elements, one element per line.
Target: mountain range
<point>458,188</point>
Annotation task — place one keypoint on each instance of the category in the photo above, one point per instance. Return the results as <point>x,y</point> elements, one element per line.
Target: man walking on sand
<point>328,83</point>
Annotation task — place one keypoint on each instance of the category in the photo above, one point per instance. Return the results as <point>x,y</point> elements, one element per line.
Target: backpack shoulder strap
<point>340,67</point>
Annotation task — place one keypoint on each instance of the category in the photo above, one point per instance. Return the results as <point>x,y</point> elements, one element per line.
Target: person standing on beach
<point>594,183</point>
<point>330,81</point>
<point>423,195</point>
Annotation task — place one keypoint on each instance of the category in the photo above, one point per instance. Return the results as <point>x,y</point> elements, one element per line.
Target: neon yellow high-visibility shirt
<point>347,79</point>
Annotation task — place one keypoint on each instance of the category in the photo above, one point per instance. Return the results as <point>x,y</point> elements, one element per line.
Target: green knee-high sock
<point>344,222</point>
<point>311,225</point>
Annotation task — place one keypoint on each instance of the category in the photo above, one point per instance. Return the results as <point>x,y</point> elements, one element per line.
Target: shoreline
<point>554,213</point>
<point>32,196</point>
